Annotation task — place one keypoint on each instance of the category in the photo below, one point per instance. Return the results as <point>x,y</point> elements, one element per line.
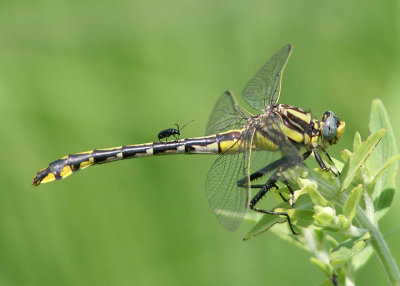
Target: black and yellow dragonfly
<point>250,146</point>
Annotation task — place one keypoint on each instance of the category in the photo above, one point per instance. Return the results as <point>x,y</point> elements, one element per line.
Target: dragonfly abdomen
<point>69,164</point>
<point>62,168</point>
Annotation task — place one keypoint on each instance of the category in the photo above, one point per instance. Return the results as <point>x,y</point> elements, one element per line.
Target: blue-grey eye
<point>330,128</point>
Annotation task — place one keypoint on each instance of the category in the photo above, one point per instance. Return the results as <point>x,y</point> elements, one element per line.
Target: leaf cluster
<point>337,216</point>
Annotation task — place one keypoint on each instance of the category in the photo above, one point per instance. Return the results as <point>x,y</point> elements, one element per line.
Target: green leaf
<point>362,257</point>
<point>345,154</point>
<point>265,223</point>
<point>392,160</point>
<point>332,241</point>
<point>299,217</point>
<point>358,158</point>
<point>384,200</point>
<point>385,183</point>
<point>357,140</point>
<point>316,197</point>
<point>324,267</point>
<point>352,202</point>
<point>343,223</point>
<point>328,185</point>
<point>324,216</point>
<point>341,278</point>
<point>346,250</point>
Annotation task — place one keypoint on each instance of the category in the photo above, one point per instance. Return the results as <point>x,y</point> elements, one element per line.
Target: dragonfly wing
<point>226,115</point>
<point>227,200</point>
<point>265,87</point>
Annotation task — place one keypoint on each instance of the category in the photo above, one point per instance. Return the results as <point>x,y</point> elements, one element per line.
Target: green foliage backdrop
<point>77,75</point>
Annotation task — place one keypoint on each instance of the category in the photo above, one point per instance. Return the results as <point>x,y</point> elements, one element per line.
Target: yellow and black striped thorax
<point>297,124</point>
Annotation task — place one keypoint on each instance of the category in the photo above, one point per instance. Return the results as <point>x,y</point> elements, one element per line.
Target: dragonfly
<point>251,147</point>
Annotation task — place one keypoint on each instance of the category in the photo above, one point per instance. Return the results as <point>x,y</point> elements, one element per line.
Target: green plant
<point>338,215</point>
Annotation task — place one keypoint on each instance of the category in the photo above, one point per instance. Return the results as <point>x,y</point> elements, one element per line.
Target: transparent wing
<point>226,115</point>
<point>228,201</point>
<point>265,87</point>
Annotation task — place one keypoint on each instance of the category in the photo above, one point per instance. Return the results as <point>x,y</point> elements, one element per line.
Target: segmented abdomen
<point>69,164</point>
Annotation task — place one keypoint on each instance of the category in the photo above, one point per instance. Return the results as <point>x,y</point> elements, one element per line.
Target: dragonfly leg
<point>278,166</point>
<point>264,189</point>
<point>264,171</point>
<point>283,198</point>
<point>319,160</point>
<point>291,202</point>
<point>267,169</point>
<point>277,188</point>
<point>333,163</point>
<point>321,163</point>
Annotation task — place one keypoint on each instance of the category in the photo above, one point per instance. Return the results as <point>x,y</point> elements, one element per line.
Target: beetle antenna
<point>185,125</point>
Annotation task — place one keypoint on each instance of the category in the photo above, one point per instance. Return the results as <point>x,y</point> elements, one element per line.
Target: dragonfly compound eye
<point>330,128</point>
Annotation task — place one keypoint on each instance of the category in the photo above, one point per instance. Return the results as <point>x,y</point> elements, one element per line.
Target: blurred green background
<point>78,75</point>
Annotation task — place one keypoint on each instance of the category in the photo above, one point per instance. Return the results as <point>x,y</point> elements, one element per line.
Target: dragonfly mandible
<point>251,146</point>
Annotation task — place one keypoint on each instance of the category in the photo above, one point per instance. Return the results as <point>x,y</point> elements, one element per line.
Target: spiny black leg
<point>261,193</point>
<point>291,192</point>
<point>284,199</point>
<point>269,168</point>
<point>321,163</point>
<point>258,196</point>
<point>289,187</point>
<point>264,189</point>
<point>273,186</point>
<point>271,183</point>
<point>329,157</point>
<point>319,160</point>
<point>277,213</point>
<point>333,172</point>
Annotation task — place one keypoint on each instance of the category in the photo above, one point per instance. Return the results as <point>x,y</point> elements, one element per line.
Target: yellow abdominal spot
<point>66,171</point>
<point>230,145</point>
<point>49,178</point>
<point>85,164</point>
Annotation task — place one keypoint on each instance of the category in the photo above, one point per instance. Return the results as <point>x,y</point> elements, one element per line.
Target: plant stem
<point>381,249</point>
<point>378,243</point>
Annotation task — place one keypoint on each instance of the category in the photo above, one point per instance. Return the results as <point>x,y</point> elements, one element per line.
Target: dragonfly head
<point>332,128</point>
